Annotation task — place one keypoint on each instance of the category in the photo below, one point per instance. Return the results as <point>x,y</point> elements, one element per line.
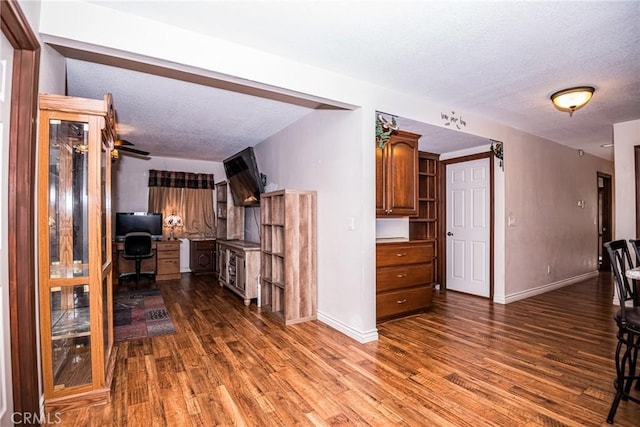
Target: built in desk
<point>165,260</point>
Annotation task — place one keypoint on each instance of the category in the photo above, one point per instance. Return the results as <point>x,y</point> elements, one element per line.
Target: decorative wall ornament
<point>498,151</point>
<point>452,120</point>
<point>384,129</point>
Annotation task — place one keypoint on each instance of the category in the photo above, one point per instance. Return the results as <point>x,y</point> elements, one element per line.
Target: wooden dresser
<point>404,277</point>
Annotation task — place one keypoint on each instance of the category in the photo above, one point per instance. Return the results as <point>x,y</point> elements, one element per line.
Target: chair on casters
<point>628,320</point>
<point>138,245</point>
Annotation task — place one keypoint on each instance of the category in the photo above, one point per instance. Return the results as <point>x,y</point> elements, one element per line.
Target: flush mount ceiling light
<point>572,99</point>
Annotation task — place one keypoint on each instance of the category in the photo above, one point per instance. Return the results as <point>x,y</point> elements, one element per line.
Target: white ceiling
<point>498,60</point>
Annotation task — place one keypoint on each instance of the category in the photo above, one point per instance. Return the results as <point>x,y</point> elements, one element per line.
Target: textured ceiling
<point>498,60</point>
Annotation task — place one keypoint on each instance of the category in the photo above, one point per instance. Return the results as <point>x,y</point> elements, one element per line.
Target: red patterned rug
<point>140,314</point>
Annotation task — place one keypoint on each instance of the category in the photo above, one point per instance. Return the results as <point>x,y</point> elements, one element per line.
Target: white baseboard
<point>545,288</point>
<point>360,336</point>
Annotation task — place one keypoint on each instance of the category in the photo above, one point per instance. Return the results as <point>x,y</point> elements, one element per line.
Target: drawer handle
<point>401,275</point>
<point>401,254</point>
<point>402,301</point>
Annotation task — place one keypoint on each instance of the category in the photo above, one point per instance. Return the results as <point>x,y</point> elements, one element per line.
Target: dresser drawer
<point>394,303</point>
<point>168,254</point>
<point>169,266</point>
<point>404,276</point>
<point>166,245</point>
<point>400,254</point>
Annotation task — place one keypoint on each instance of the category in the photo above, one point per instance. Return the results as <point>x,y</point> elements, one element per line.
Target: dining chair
<point>635,244</point>
<point>627,319</point>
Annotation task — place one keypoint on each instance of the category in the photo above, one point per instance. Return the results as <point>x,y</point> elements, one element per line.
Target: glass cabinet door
<point>70,336</point>
<point>69,253</point>
<point>68,199</point>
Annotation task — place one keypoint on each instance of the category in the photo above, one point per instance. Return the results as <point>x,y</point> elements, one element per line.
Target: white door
<point>468,230</point>
<point>6,395</point>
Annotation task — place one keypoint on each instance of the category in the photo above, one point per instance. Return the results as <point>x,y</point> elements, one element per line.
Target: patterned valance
<point>180,179</point>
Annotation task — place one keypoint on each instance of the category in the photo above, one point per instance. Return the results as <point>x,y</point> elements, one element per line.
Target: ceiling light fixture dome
<point>572,99</point>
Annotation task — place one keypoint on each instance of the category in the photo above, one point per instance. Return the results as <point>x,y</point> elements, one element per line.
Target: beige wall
<point>543,183</point>
<point>626,135</point>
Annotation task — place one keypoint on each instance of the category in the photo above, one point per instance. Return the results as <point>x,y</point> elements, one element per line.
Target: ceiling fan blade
<point>133,150</point>
<point>121,142</point>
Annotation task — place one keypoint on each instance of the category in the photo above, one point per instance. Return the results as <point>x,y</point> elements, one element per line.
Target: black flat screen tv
<point>244,178</point>
<point>127,222</point>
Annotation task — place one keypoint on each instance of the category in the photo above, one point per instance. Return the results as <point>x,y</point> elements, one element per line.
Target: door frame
<point>442,214</point>
<point>607,215</point>
<point>21,205</point>
<point>636,154</point>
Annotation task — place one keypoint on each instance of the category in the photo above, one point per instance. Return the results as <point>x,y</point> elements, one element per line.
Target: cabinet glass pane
<point>68,197</point>
<point>104,158</point>
<point>70,336</point>
<point>106,317</point>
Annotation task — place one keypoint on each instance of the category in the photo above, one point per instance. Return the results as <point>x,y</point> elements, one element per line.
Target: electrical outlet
<point>548,269</point>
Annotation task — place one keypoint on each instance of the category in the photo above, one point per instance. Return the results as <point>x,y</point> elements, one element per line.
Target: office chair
<point>138,245</point>
<point>628,321</point>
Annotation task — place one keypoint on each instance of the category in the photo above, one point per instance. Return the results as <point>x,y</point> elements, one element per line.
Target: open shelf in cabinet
<point>425,225</point>
<point>230,218</point>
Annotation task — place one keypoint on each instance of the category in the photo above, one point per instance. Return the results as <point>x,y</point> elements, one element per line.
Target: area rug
<point>140,314</point>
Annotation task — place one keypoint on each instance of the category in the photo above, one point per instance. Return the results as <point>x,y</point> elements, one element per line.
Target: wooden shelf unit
<point>230,218</point>
<point>288,251</point>
<point>74,250</point>
<point>425,225</point>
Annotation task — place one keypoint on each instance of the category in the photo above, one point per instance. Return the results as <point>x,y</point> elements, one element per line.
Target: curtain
<point>199,216</point>
<point>187,194</point>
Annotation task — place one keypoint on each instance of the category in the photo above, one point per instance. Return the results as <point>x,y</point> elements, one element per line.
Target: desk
<point>165,260</point>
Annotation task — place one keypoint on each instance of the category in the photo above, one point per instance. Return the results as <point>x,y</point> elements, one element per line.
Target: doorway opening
<point>604,219</point>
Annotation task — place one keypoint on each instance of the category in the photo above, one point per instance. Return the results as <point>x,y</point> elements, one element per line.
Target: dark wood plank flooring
<point>543,361</point>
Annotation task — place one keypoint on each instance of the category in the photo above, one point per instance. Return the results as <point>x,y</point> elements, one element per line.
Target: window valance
<point>174,179</point>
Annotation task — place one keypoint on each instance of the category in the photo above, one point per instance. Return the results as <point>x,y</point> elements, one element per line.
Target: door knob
<point>449,233</point>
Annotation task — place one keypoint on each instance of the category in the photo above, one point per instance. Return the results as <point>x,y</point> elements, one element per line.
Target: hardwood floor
<point>543,361</point>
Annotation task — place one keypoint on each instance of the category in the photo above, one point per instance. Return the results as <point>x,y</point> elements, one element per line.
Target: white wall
<point>130,178</point>
<point>626,135</point>
<point>323,152</point>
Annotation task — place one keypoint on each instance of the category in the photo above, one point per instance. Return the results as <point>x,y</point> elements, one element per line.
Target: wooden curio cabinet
<point>397,176</point>
<point>74,247</point>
